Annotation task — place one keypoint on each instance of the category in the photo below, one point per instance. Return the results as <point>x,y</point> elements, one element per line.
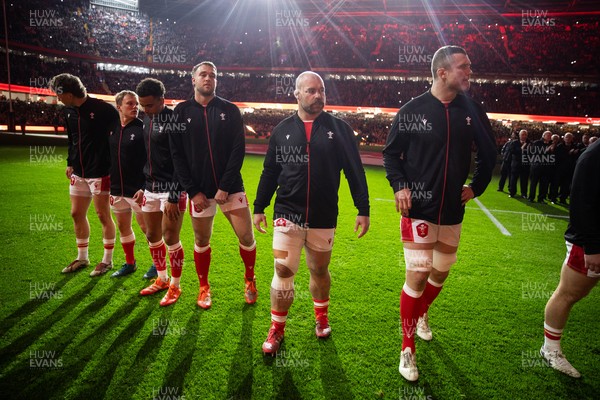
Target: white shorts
<point>234,201</point>
<point>288,236</point>
<point>155,202</point>
<point>88,187</point>
<point>121,204</point>
<point>421,231</point>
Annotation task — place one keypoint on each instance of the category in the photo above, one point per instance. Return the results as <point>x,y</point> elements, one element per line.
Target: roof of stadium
<point>357,8</point>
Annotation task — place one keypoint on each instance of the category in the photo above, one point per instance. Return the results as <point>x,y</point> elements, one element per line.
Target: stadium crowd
<point>542,97</point>
<point>516,58</point>
<point>383,42</point>
<point>371,129</point>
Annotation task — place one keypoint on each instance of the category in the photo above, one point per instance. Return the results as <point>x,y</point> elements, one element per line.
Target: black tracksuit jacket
<point>127,158</point>
<point>306,175</point>
<point>584,224</point>
<point>88,130</point>
<point>428,151</point>
<point>208,147</point>
<point>159,170</point>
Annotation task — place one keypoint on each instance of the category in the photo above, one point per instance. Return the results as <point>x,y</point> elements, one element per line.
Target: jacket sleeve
<point>268,179</point>
<point>238,150</point>
<point>355,173</point>
<point>485,159</point>
<point>585,198</point>
<point>71,146</point>
<point>395,146</point>
<point>178,140</point>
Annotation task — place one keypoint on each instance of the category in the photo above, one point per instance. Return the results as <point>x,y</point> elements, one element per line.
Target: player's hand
<point>221,196</point>
<point>592,262</point>
<point>467,194</point>
<point>138,197</point>
<point>172,211</point>
<point>403,201</point>
<point>363,222</point>
<point>258,219</point>
<point>69,172</point>
<point>200,199</point>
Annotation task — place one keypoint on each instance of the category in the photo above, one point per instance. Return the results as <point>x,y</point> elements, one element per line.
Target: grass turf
<point>72,336</point>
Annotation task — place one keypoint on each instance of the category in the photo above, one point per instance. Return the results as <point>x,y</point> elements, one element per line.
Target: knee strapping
<point>288,258</point>
<point>281,283</point>
<point>418,260</point>
<point>443,261</point>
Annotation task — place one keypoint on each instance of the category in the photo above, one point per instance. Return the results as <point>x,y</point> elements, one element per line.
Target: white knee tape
<point>418,260</point>
<point>443,261</point>
<point>288,258</point>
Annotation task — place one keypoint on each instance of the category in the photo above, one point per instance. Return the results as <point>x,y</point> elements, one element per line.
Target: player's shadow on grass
<point>147,353</point>
<point>460,377</point>
<point>335,382</point>
<point>282,375</point>
<point>182,355</point>
<point>107,366</point>
<point>32,305</point>
<point>241,370</point>
<point>55,382</point>
<point>547,209</point>
<point>180,363</point>
<point>30,336</point>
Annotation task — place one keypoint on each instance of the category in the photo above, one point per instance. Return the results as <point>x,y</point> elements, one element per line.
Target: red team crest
<point>280,222</point>
<point>422,229</point>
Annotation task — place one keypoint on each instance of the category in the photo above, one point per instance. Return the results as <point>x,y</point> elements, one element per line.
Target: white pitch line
<point>523,213</point>
<point>503,211</point>
<point>487,212</point>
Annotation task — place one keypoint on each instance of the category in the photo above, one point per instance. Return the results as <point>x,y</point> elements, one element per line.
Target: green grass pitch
<point>76,337</point>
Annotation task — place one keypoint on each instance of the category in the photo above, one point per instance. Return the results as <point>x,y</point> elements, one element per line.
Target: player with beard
<point>208,151</point>
<point>306,154</point>
<point>427,159</point>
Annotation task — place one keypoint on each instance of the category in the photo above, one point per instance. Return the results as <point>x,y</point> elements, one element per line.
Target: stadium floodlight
<point>129,5</point>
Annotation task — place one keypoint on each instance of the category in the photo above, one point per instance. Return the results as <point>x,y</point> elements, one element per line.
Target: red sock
<point>158,252</point>
<point>202,261</point>
<point>321,307</point>
<point>278,319</point>
<point>176,259</point>
<point>429,295</point>
<point>249,257</point>
<point>409,306</point>
<point>128,243</point>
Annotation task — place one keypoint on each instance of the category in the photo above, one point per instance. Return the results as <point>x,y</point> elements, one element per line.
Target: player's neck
<point>203,100</point>
<point>78,101</point>
<point>306,117</point>
<point>125,120</point>
<point>442,93</point>
<point>159,112</point>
